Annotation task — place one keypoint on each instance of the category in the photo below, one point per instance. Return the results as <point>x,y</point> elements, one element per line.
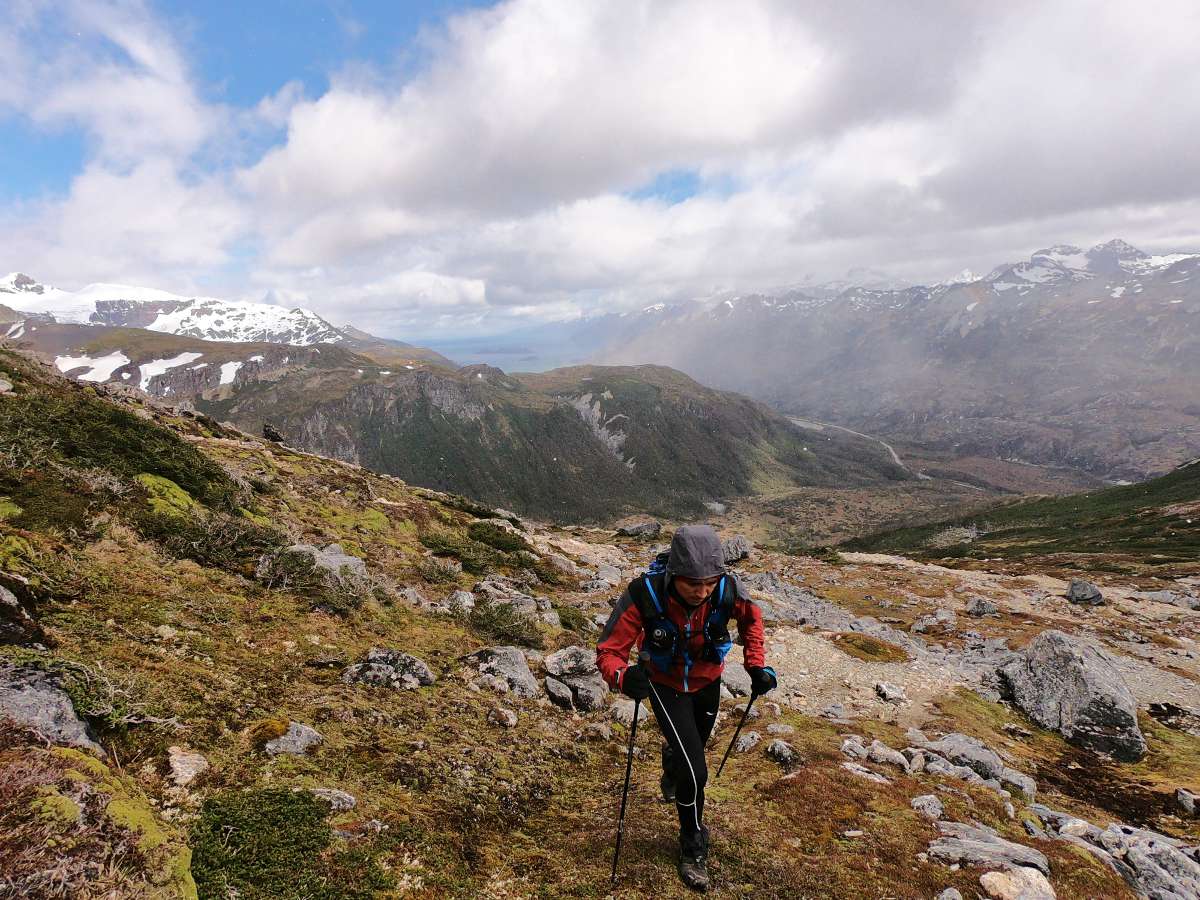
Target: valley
<point>236,666</point>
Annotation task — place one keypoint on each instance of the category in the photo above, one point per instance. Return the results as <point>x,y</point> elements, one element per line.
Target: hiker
<point>678,615</point>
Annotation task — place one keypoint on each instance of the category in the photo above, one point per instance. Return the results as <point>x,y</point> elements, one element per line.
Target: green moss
<point>274,843</point>
<point>136,815</point>
<point>165,497</point>
<point>8,509</point>
<point>56,807</point>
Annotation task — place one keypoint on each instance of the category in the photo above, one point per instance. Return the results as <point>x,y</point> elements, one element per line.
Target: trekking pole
<point>637,708</point>
<point>737,731</point>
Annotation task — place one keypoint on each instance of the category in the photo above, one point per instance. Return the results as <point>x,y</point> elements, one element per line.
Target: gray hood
<point>696,553</point>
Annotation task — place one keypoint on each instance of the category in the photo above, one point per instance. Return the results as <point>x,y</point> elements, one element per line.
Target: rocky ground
<point>383,691</point>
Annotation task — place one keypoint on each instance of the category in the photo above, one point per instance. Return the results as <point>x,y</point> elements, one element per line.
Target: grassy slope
<point>1156,521</point>
<point>469,809</point>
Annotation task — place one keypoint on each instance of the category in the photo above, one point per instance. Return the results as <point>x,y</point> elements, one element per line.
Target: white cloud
<point>495,184</point>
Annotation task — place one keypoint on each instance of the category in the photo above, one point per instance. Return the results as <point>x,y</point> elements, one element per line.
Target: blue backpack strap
<point>653,595</point>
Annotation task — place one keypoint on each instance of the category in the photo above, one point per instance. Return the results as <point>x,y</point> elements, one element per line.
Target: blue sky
<point>444,168</point>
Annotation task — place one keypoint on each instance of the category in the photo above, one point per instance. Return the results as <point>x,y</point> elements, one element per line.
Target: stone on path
<point>1075,689</point>
<point>890,693</point>
<point>1021,883</point>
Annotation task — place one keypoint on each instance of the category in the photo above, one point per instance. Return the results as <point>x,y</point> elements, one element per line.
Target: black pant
<point>686,721</point>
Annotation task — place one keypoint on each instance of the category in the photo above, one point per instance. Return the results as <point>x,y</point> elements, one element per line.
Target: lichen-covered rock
<point>390,668</point>
<point>1075,689</point>
<point>981,846</point>
<point>890,693</point>
<point>783,752</point>
<point>929,806</point>
<point>509,667</point>
<point>977,607</point>
<point>747,741</point>
<point>297,740</point>
<point>185,765</point>
<point>944,621</point>
<point>575,660</point>
<point>460,602</point>
<point>338,800</point>
<point>588,691</point>
<point>736,548</point>
<point>35,699</point>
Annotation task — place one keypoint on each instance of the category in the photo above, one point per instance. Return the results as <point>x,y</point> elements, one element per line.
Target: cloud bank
<point>512,176</point>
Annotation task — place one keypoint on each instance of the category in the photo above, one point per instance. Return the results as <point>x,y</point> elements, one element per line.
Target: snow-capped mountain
<point>207,318</point>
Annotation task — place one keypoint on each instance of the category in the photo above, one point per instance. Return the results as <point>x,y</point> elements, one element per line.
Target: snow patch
<point>99,369</point>
<point>229,371</point>
<point>160,366</point>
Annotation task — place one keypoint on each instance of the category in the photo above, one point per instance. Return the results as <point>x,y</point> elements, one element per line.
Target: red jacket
<point>625,629</point>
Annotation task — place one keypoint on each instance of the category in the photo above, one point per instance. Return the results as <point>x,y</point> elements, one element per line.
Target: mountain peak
<point>15,282</point>
<point>1119,249</point>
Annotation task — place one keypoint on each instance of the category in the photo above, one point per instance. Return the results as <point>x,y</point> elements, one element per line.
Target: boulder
<point>929,806</point>
<point>970,752</point>
<point>863,772</point>
<point>505,718</point>
<point>950,894</point>
<point>780,729</point>
<point>589,691</point>
<point>622,711</point>
<point>782,752</point>
<point>736,548</point>
<point>968,845</point>
<point>978,607</point>
<point>35,699</point>
<point>1021,883</point>
<point>747,741</point>
<point>339,801</point>
<point>1186,801</point>
<point>297,740</point>
<point>575,667</point>
<point>559,693</point>
<point>881,753</point>
<point>508,666</point>
<point>390,668</point>
<point>641,530</point>
<point>460,602</point>
<point>1075,689</point>
<point>574,660</point>
<point>944,621</point>
<point>737,679</point>
<point>890,693</point>
<point>1084,593</point>
<point>333,560</point>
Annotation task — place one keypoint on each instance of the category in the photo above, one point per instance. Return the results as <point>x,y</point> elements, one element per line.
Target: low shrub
<point>572,617</point>
<point>505,624</point>
<point>214,539</point>
<point>867,648</point>
<point>496,536</point>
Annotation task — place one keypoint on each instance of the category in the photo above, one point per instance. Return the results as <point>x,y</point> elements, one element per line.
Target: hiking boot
<point>667,783</point>
<point>693,860</point>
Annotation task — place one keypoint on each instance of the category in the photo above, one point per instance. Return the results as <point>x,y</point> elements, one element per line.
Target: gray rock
<point>890,693</point>
<point>737,679</point>
<point>979,846</point>
<point>1019,780</point>
<point>852,746</point>
<point>736,548</point>
<point>333,560</point>
<point>782,752</point>
<point>928,806</point>
<point>970,752</point>
<point>609,575</point>
<point>34,699</point>
<point>389,668</point>
<point>622,711</point>
<point>1020,883</point>
<point>508,666</point>
<point>505,718</point>
<point>1161,869</point>
<point>339,801</point>
<point>460,602</point>
<point>562,563</point>
<point>881,753</point>
<point>950,894</point>
<point>1186,801</point>
<point>297,740</point>
<point>6,386</point>
<point>1075,689</point>
<point>747,741</point>
<point>559,693</point>
<point>863,772</point>
<point>574,660</point>
<point>184,766</point>
<point>405,664</point>
<point>833,711</point>
<point>642,529</point>
<point>779,729</point>
<point>978,607</point>
<point>17,626</point>
<point>1084,593</point>
<point>944,621</point>
<point>597,731</point>
<point>589,691</point>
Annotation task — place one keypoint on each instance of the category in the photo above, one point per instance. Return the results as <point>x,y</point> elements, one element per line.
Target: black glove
<point>635,683</point>
<point>762,680</point>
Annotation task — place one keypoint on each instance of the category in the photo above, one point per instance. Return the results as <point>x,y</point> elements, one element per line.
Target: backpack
<point>662,641</point>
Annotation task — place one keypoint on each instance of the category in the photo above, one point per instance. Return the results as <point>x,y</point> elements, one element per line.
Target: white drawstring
<point>683,752</point>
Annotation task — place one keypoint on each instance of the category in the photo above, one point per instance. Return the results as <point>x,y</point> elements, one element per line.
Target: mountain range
<point>1083,359</point>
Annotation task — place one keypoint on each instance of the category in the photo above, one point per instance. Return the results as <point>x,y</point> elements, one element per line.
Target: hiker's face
<point>693,590</point>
